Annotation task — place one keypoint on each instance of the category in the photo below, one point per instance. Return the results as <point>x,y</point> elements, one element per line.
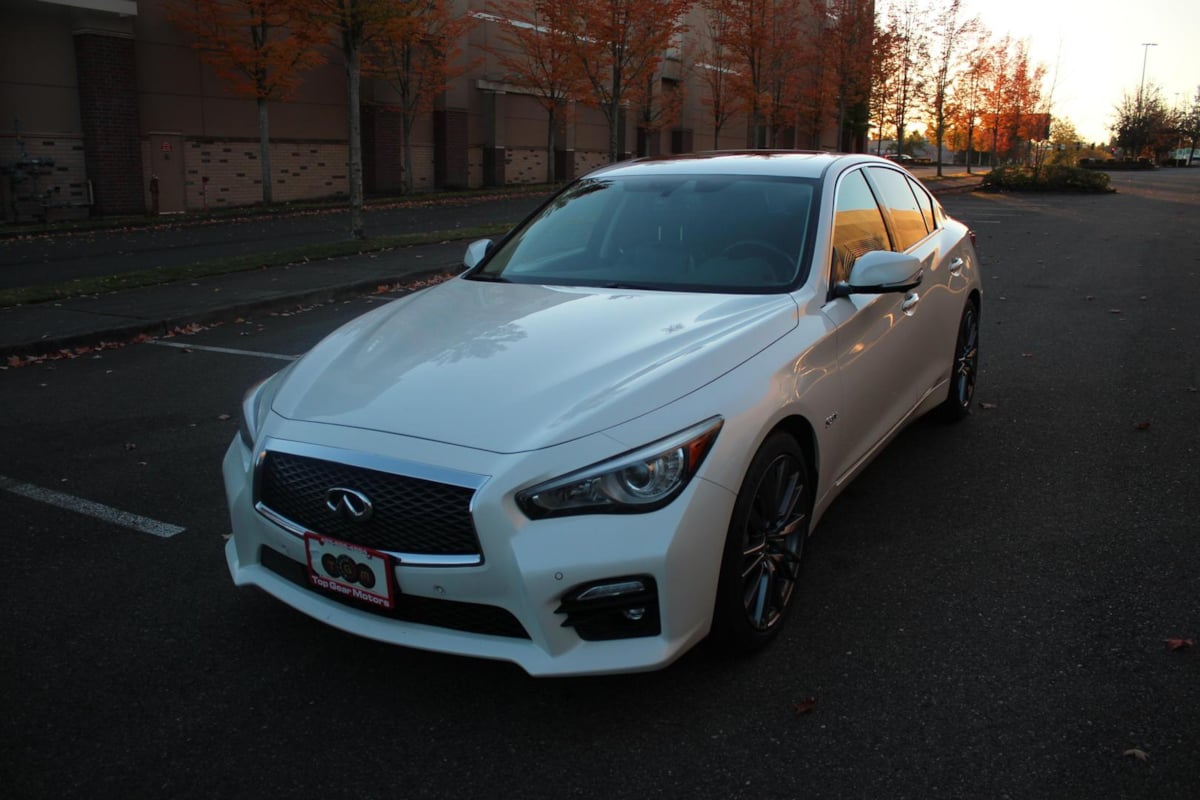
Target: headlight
<point>255,405</point>
<point>643,480</point>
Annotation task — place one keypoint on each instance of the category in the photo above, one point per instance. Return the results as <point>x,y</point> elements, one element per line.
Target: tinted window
<point>697,232</point>
<point>907,219</point>
<point>925,201</point>
<point>857,225</point>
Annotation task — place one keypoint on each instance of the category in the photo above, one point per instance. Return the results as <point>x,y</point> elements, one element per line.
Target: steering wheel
<point>781,263</point>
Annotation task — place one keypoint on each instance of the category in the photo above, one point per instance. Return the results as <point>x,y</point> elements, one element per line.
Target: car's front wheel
<point>763,547</point>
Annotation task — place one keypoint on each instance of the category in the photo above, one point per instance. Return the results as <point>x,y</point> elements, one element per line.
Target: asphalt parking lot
<point>985,612</point>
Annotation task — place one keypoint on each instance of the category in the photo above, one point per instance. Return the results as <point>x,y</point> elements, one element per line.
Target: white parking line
<point>88,508</point>
<point>227,350</point>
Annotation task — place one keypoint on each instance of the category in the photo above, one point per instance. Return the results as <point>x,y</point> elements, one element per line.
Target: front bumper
<point>511,606</point>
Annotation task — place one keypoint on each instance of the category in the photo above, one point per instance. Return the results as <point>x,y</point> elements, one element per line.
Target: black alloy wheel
<point>763,549</point>
<point>965,369</point>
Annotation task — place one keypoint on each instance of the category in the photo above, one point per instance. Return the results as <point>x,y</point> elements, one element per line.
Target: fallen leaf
<point>805,706</point>
<point>1142,426</point>
<point>987,406</point>
<point>1140,755</point>
<point>224,417</point>
<point>1114,311</point>
<point>1180,644</point>
<point>130,446</point>
<point>1026,355</point>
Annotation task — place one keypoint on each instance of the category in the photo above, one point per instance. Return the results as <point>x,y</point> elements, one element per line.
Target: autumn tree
<point>906,25</point>
<point>1144,127</point>
<point>884,71</point>
<point>714,66</point>
<point>1026,116</point>
<point>353,24</point>
<point>996,93</point>
<point>536,56</point>
<point>1013,98</point>
<point>258,48</point>
<point>1189,124</point>
<point>416,51</point>
<point>840,34</point>
<point>950,36</point>
<point>815,92</point>
<point>1064,142</point>
<point>618,46</point>
<point>763,37</point>
<point>968,94</point>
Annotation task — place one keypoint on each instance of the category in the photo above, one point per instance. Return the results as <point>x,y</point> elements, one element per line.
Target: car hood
<point>516,367</point>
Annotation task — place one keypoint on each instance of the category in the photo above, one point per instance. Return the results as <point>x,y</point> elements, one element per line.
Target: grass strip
<point>26,295</point>
<point>196,217</point>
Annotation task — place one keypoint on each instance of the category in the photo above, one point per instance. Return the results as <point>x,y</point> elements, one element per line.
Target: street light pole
<point>1145,52</point>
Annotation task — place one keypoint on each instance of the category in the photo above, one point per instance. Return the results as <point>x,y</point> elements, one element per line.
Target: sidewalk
<point>47,328</point>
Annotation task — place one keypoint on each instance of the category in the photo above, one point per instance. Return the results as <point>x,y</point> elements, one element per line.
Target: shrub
<point>1053,178</point>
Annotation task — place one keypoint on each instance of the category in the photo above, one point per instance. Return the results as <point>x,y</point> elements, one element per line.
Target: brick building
<point>101,99</point>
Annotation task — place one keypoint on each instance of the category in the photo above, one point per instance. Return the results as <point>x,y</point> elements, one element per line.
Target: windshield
<point>721,233</point>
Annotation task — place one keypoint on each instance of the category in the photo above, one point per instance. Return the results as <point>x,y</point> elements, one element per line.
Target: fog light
<point>614,608</point>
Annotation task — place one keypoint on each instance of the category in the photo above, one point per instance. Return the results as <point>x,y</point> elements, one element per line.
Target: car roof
<point>789,163</point>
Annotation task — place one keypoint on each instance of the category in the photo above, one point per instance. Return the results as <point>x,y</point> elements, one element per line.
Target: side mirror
<point>476,251</point>
<point>882,271</point>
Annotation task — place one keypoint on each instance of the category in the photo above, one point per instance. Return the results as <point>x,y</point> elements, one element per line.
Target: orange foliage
<point>618,45</point>
<point>259,48</point>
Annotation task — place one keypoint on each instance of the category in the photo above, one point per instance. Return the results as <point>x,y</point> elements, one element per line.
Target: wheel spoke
<point>753,563</point>
<point>791,527</point>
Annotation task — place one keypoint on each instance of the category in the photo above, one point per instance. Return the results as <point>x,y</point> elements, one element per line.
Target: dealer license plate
<point>350,570</point>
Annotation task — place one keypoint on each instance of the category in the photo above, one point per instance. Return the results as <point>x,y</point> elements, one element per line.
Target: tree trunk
<point>352,51</point>
<point>941,132</point>
<point>970,140</point>
<point>550,142</point>
<point>406,127</point>
<point>264,149</point>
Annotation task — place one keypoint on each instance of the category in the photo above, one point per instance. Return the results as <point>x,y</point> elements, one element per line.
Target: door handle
<point>956,266</point>
<point>910,302</point>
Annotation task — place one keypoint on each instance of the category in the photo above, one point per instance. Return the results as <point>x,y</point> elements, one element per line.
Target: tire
<point>965,367</point>
<point>760,566</point>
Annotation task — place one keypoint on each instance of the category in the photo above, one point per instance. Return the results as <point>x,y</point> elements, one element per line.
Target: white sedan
<point>609,438</point>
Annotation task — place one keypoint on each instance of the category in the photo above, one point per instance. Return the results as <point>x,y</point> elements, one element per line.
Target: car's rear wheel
<point>965,368</point>
<point>763,548</point>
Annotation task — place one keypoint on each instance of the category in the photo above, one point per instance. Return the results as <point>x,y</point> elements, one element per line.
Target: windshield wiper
<point>485,276</point>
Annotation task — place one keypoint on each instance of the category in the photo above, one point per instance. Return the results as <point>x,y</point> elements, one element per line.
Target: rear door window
<point>908,220</point>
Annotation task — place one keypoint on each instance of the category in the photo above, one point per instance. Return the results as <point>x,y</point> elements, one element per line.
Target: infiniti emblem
<point>349,504</point>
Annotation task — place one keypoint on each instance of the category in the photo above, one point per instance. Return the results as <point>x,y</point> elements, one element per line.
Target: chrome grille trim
<point>337,458</point>
<point>401,559</point>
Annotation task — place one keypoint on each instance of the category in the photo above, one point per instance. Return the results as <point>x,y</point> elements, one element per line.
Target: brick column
<point>383,149</point>
<point>564,153</point>
<point>493,147</point>
<point>450,148</point>
<point>108,109</point>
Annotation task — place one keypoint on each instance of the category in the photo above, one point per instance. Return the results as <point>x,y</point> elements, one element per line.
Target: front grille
<point>468,617</point>
<point>411,515</point>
